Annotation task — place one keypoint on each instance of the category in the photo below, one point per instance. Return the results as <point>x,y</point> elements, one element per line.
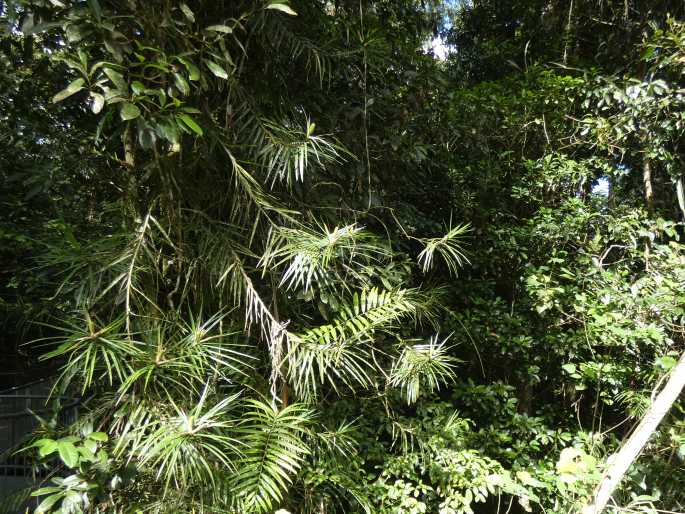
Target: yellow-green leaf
<point>220,28</point>
<point>283,8</point>
<point>188,13</point>
<point>190,123</point>
<point>181,84</point>
<point>68,453</point>
<point>129,111</point>
<point>216,69</point>
<point>74,87</point>
<point>98,102</point>
<point>98,436</point>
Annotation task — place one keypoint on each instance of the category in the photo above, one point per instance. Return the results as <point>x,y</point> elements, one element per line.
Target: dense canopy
<point>335,256</point>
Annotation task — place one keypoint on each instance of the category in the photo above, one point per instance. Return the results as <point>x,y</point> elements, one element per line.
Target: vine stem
<point>621,461</point>
<point>366,103</point>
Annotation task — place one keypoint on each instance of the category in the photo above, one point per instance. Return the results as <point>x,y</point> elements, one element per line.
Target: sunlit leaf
<point>283,8</point>
<point>129,111</point>
<point>72,88</point>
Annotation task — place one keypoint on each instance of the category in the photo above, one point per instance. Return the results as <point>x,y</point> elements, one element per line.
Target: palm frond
<point>93,352</point>
<point>281,39</point>
<point>185,448</point>
<point>15,501</point>
<point>341,351</point>
<point>332,474</point>
<point>449,247</point>
<point>84,270</point>
<point>260,205</point>
<point>274,451</point>
<point>422,366</point>
<point>176,357</point>
<point>370,310</point>
<point>288,150</point>
<point>314,255</point>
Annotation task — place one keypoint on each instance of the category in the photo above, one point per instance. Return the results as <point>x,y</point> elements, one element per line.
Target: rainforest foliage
<point>335,256</point>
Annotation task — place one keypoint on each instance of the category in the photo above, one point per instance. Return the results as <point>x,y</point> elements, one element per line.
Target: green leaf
<point>129,111</point>
<point>28,30</point>
<point>181,84</point>
<point>98,102</point>
<point>98,436</point>
<point>86,455</point>
<point>283,8</point>
<point>666,362</point>
<point>73,33</point>
<point>48,502</point>
<point>188,13</point>
<point>569,368</point>
<point>190,123</point>
<point>96,9</point>
<point>168,130</point>
<point>193,71</point>
<point>217,69</point>
<point>68,453</point>
<point>117,79</point>
<point>46,447</point>
<point>90,445</point>
<point>220,28</point>
<point>137,87</point>
<point>146,136</point>
<point>45,490</point>
<point>74,87</point>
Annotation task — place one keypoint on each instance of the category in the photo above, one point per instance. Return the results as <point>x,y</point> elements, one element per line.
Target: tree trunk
<point>647,181</point>
<point>567,32</point>
<point>636,442</point>
<point>680,193</point>
<point>131,192</point>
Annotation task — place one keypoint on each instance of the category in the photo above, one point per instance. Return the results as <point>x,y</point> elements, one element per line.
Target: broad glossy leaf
<point>46,447</point>
<point>96,9</point>
<point>48,502</point>
<point>98,102</point>
<point>190,123</point>
<point>90,445</point>
<point>168,130</point>
<point>98,436</point>
<point>181,84</point>
<point>193,71</point>
<point>129,111</point>
<point>45,490</point>
<point>117,79</point>
<point>68,453</point>
<point>74,87</point>
<point>146,137</point>
<point>217,69</point>
<point>137,87</point>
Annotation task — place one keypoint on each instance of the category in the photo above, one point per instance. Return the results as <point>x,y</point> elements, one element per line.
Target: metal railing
<point>19,408</point>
